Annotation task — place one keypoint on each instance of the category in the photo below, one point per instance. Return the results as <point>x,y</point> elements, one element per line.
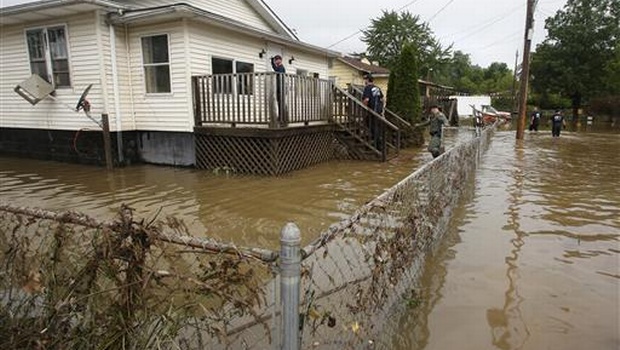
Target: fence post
<point>290,279</point>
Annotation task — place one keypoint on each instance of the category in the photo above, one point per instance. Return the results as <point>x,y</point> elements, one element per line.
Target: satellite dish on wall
<point>35,89</point>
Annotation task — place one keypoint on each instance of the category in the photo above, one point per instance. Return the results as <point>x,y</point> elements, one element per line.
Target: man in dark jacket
<point>278,67</point>
<point>372,97</point>
<point>557,122</point>
<point>535,119</point>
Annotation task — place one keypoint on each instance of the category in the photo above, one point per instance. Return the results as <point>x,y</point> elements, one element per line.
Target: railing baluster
<point>250,98</point>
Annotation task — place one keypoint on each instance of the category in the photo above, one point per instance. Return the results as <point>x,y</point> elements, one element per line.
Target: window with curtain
<point>156,60</point>
<point>49,57</point>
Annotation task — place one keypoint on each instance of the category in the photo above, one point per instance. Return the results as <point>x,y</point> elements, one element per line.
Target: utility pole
<point>513,92</point>
<point>525,69</point>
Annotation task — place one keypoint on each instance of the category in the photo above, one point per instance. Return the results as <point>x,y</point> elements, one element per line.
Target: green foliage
<point>608,105</point>
<point>579,52</point>
<point>473,79</point>
<point>612,73</point>
<point>387,35</point>
<point>403,90</point>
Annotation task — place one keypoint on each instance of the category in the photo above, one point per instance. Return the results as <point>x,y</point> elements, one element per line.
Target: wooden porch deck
<point>270,123</point>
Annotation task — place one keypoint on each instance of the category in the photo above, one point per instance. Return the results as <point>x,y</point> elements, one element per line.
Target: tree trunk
<point>576,104</point>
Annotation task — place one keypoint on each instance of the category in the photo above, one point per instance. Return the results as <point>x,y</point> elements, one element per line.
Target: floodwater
<point>248,211</point>
<point>532,258</point>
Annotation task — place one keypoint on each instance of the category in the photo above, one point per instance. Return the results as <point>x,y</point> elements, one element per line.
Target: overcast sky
<point>488,30</point>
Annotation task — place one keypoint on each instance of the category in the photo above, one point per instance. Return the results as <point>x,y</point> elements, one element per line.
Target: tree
<point>404,92</point>
<point>387,35</point>
<point>580,43</point>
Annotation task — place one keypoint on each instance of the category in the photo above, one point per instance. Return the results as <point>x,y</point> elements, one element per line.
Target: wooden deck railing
<point>271,99</point>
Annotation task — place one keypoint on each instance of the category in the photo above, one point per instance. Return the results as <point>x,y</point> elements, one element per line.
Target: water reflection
<point>508,329</point>
<point>536,262</point>
<point>246,210</point>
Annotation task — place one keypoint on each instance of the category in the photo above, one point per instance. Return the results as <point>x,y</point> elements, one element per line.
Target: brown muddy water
<point>532,258</point>
<point>249,211</point>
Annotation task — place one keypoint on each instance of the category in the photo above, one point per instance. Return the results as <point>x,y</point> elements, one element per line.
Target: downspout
<point>117,102</point>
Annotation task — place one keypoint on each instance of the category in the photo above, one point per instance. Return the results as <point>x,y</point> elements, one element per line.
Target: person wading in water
<point>436,122</point>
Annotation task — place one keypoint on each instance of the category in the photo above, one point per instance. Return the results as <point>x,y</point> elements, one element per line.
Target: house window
<point>245,82</point>
<point>224,84</point>
<point>156,63</point>
<point>47,48</point>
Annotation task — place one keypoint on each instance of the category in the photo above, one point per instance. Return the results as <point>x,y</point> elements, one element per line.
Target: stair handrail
<point>375,114</point>
<point>358,89</point>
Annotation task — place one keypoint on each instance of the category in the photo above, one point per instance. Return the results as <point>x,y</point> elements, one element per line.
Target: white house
<point>140,57</point>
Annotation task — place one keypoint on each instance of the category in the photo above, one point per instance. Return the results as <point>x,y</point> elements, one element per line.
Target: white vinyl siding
<point>15,112</point>
<point>169,111</point>
<point>124,75</point>
<point>207,42</point>
<point>311,63</point>
<point>238,10</point>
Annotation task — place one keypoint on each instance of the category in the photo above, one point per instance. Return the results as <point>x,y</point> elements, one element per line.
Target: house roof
<point>364,67</point>
<point>175,11</point>
<point>271,17</point>
<point>50,9</point>
<point>125,14</point>
<point>47,9</point>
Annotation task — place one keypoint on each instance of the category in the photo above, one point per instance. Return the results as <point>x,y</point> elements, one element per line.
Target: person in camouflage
<point>436,122</point>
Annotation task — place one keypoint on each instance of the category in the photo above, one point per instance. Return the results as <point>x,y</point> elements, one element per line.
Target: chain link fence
<point>69,281</point>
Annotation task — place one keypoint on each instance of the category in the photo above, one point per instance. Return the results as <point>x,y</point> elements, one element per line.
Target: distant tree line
<point>387,35</point>
<point>578,63</point>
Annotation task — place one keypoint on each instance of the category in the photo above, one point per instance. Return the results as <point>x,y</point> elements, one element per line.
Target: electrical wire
<point>360,30</point>
<point>480,26</point>
<point>440,11</point>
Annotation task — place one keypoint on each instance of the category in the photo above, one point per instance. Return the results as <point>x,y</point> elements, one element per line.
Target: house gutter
<point>188,11</point>
<point>117,102</point>
<point>47,4</point>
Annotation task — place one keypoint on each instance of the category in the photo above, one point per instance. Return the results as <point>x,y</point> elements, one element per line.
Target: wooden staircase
<point>353,121</point>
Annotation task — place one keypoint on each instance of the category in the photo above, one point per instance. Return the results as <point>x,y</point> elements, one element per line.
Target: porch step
<point>357,147</point>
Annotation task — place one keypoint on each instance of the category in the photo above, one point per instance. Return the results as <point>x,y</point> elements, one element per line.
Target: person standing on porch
<point>278,67</point>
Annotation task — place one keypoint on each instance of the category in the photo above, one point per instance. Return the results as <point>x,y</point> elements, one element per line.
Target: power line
<point>345,38</point>
<point>500,18</point>
<point>480,26</point>
<point>360,30</point>
<point>440,11</point>
<point>505,38</point>
<point>407,5</point>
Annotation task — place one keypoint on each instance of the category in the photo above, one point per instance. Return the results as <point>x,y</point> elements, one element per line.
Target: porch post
<point>272,105</point>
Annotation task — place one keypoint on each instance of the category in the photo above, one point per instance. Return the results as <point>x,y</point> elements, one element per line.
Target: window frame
<point>235,86</point>
<point>159,64</point>
<point>47,53</point>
